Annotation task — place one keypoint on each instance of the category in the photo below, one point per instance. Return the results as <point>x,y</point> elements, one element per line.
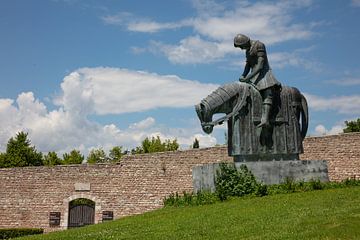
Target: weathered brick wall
<point>139,183</point>
<point>341,151</point>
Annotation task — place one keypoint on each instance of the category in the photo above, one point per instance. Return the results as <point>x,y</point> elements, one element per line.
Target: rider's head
<point>242,41</point>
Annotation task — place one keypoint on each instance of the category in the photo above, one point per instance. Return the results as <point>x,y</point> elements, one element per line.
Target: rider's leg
<point>267,95</point>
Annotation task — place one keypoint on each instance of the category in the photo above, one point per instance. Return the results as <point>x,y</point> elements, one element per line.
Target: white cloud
<point>138,24</point>
<point>215,26</point>
<point>91,91</point>
<point>113,90</point>
<point>321,130</point>
<point>294,59</point>
<point>340,104</point>
<point>146,123</point>
<point>192,50</point>
<point>61,130</point>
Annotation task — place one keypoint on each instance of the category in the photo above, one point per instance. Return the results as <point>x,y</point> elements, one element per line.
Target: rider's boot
<point>265,114</point>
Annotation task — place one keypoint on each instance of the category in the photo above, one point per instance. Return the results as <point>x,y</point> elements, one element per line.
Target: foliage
<point>116,153</point>
<point>20,153</point>
<point>191,199</point>
<point>51,159</point>
<point>232,182</point>
<point>196,143</point>
<point>81,201</point>
<point>352,126</point>
<point>74,157</point>
<point>156,145</point>
<point>97,156</point>
<point>326,214</point>
<point>7,233</point>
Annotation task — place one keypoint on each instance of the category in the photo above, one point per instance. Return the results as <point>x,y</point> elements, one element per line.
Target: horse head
<point>227,99</point>
<point>205,117</point>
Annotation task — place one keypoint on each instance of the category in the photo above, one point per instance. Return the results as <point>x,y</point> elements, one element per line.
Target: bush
<point>190,199</point>
<point>232,182</point>
<point>7,233</point>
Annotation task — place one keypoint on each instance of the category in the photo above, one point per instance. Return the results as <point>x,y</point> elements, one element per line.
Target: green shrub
<point>190,199</point>
<point>232,182</point>
<point>261,190</point>
<point>7,233</point>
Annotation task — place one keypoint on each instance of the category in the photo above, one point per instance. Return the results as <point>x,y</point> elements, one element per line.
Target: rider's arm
<point>246,70</point>
<point>256,69</point>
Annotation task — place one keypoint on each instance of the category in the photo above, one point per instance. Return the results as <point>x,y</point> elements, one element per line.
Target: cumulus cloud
<point>340,104</point>
<point>321,130</point>
<point>115,91</point>
<point>192,50</point>
<point>101,91</point>
<point>215,25</point>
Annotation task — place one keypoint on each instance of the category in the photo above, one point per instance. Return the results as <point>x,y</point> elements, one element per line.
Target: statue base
<point>266,157</point>
<point>267,172</point>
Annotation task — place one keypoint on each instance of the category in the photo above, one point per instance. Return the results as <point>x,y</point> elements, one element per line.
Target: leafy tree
<point>74,157</point>
<point>196,143</point>
<point>52,159</point>
<point>352,126</point>
<point>20,153</point>
<point>116,153</point>
<point>97,156</point>
<point>156,145</point>
<point>2,160</point>
<point>171,145</point>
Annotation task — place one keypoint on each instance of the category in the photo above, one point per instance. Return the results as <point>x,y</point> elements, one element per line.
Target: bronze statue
<point>261,75</point>
<point>266,121</point>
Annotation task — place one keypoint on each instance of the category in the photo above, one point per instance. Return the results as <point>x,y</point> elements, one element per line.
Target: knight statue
<point>266,121</point>
<point>261,75</point>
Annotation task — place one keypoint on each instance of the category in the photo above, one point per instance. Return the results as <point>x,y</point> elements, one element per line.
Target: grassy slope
<point>327,214</point>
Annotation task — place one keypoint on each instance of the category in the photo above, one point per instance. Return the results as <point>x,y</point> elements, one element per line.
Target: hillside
<point>326,214</point>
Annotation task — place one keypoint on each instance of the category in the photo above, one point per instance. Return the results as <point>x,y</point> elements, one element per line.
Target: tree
<point>97,156</point>
<point>196,143</point>
<point>155,145</point>
<point>74,157</point>
<point>52,159</point>
<point>352,126</point>
<point>116,153</point>
<point>20,153</point>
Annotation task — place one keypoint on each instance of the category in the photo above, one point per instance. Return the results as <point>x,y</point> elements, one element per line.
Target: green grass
<point>324,214</point>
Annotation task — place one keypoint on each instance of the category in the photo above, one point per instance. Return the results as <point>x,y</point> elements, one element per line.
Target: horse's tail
<point>304,116</point>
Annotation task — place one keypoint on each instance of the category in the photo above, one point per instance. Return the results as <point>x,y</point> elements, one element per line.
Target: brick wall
<point>138,184</point>
<point>341,151</point>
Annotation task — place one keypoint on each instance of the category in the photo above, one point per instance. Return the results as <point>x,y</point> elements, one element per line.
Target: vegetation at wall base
<point>8,233</point>
<point>325,214</point>
<point>231,183</point>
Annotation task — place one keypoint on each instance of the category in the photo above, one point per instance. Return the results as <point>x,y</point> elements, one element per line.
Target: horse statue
<point>241,103</point>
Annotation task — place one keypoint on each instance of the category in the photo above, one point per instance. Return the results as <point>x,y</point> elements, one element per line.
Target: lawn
<point>323,214</point>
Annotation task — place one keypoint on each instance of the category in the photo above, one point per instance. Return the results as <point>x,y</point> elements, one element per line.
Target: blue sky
<point>89,74</point>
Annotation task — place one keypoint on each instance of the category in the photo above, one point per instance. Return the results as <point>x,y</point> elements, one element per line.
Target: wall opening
<point>81,212</point>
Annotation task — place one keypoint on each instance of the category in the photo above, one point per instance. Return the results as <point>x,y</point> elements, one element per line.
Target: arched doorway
<point>81,212</point>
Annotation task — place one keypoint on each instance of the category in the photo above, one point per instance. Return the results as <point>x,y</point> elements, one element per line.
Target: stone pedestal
<point>268,172</point>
